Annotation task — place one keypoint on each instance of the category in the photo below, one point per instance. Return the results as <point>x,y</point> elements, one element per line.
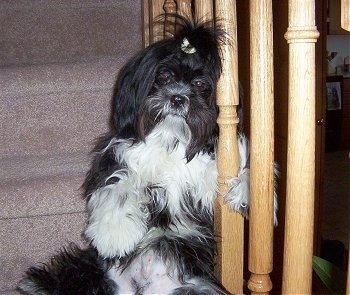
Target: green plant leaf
<point>332,277</point>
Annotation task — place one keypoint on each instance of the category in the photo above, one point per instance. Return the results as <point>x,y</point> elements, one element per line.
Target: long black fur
<point>73,271</point>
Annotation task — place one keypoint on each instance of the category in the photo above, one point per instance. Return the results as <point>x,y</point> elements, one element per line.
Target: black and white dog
<point>151,189</point>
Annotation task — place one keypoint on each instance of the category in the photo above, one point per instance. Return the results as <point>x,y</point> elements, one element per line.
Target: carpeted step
<point>45,31</point>
<point>55,108</point>
<point>31,186</point>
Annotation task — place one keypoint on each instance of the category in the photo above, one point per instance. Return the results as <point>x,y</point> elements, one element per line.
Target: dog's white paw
<point>238,194</point>
<point>115,238</point>
<point>116,223</point>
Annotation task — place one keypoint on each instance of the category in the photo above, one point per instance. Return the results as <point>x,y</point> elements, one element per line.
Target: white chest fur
<point>160,161</point>
<point>118,216</point>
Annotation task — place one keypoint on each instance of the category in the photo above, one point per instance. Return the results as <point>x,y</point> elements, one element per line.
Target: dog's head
<point>174,78</point>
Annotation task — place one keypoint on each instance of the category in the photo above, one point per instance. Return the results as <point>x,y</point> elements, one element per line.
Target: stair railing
<point>301,37</point>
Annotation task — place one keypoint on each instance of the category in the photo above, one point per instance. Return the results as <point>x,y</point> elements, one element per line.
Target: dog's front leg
<point>117,220</point>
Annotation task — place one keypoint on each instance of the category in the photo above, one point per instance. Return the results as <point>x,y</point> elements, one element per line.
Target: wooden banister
<point>151,10</point>
<point>348,279</point>
<point>169,26</point>
<point>345,14</point>
<point>301,36</point>
<point>147,23</point>
<point>204,10</point>
<point>228,225</point>
<point>261,148</point>
<point>184,8</point>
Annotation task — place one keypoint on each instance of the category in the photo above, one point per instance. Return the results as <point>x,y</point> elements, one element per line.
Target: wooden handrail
<point>301,36</point>
<point>261,148</point>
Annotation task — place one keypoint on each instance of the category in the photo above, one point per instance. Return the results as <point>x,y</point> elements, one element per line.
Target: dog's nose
<point>177,100</point>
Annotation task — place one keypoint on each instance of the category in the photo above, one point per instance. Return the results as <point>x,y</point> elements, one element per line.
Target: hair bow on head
<point>187,47</point>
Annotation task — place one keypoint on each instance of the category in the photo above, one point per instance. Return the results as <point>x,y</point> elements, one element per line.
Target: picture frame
<point>334,96</point>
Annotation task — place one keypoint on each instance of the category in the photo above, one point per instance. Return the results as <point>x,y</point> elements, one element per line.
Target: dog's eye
<point>163,78</point>
<point>198,84</point>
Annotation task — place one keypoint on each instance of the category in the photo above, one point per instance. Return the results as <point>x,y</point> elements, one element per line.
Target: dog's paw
<point>115,237</point>
<point>238,194</point>
<point>115,224</point>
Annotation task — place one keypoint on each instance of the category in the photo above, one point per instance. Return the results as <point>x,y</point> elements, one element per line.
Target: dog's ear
<point>133,85</point>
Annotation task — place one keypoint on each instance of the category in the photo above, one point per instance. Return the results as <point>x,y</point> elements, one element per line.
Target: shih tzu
<point>152,185</point>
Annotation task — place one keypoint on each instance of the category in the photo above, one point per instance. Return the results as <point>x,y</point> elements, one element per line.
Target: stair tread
<point>32,167</point>
<point>60,77</point>
<point>33,186</point>
<point>56,108</point>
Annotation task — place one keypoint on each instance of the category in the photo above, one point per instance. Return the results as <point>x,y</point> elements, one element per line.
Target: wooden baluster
<point>301,35</point>
<point>156,30</point>
<point>184,8</point>
<point>203,10</point>
<point>261,148</point>
<point>345,14</point>
<point>348,279</point>
<point>228,224</point>
<point>169,26</point>
<point>147,26</point>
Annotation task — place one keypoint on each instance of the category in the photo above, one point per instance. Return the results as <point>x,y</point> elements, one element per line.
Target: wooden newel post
<point>261,148</point>
<point>301,36</point>
<point>228,225</point>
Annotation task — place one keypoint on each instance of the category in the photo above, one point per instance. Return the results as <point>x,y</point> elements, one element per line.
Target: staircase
<point>58,65</point>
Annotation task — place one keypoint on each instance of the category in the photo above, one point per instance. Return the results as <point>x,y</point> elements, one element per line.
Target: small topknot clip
<point>187,47</point>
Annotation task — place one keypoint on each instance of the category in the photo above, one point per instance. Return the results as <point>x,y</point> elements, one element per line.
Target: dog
<point>151,189</point>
